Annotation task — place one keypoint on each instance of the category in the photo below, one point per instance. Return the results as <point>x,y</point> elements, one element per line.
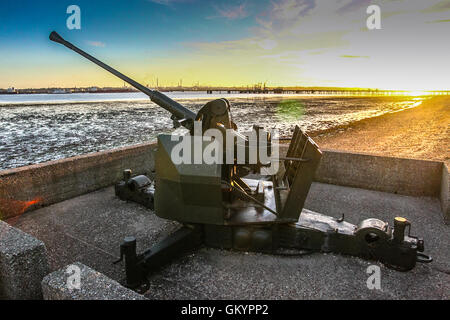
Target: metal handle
<point>423,258</point>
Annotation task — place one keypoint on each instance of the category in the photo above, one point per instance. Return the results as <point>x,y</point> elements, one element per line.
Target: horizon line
<point>253,87</point>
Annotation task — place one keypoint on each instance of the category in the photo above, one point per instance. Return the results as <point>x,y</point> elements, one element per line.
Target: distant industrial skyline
<point>283,43</point>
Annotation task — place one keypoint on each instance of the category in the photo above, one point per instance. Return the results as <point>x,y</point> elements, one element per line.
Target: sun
<point>416,93</point>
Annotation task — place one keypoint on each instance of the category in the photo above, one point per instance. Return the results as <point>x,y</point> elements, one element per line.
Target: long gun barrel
<point>182,114</point>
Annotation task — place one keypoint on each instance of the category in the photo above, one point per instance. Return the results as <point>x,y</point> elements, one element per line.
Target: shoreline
<point>422,132</point>
<point>231,97</point>
<point>84,131</point>
<point>337,128</point>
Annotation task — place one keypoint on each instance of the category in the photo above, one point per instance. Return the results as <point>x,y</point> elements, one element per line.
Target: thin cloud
<point>228,46</point>
<point>98,44</point>
<point>353,57</point>
<point>438,7</point>
<point>163,2</point>
<point>439,21</point>
<point>353,5</point>
<point>231,12</point>
<point>169,2</point>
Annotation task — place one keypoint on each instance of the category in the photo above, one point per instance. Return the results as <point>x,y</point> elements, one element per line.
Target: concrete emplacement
<point>70,207</point>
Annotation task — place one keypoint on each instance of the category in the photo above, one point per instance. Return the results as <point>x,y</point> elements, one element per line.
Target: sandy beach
<point>421,133</point>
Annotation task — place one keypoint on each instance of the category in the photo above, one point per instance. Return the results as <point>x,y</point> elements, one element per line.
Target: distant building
<point>59,91</point>
<point>93,89</point>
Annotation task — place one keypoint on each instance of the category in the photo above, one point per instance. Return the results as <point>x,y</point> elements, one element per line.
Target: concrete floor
<point>91,227</point>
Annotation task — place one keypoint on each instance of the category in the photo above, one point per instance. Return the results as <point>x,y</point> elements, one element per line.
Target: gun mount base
<point>371,239</point>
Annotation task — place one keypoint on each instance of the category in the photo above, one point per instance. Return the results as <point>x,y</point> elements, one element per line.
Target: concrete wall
<point>393,175</point>
<point>29,187</point>
<point>23,264</point>
<point>445,193</point>
<point>93,285</point>
<point>26,188</point>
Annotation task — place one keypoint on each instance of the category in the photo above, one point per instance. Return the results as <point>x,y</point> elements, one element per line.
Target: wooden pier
<point>343,92</point>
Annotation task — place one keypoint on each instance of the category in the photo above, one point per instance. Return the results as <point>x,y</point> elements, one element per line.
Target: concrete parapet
<point>23,264</point>
<point>445,193</point>
<point>394,175</point>
<point>26,188</point>
<point>93,285</point>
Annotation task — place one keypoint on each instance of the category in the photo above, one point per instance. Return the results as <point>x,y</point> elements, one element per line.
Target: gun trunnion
<point>221,206</point>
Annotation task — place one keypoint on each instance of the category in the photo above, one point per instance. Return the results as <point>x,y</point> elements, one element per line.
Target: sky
<point>229,43</point>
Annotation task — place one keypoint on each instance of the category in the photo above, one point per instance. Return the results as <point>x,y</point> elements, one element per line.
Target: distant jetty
<point>232,90</point>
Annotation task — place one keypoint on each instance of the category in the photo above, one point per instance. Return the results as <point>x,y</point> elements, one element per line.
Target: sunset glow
<point>232,43</point>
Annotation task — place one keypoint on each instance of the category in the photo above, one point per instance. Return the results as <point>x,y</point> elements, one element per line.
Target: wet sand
<point>421,133</point>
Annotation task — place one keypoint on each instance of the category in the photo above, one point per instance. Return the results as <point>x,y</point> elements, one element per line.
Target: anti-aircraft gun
<point>226,204</point>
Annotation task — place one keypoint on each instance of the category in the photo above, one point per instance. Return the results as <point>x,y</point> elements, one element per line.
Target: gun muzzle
<point>54,36</point>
